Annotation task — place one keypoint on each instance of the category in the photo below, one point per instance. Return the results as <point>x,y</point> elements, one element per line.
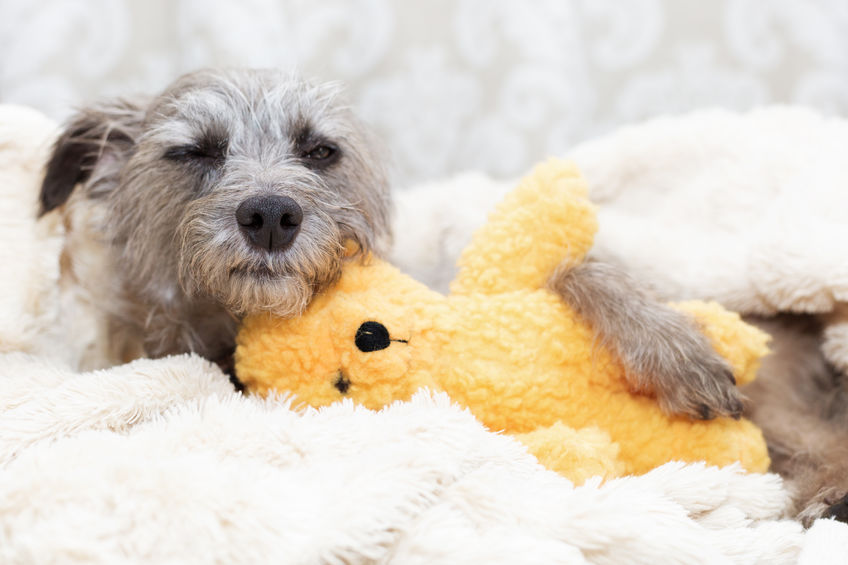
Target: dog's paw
<point>688,377</point>
<point>701,391</point>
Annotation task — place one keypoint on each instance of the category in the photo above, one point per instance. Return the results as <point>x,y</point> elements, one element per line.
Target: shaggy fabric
<point>159,461</point>
<point>745,209</point>
<point>29,252</point>
<point>42,311</point>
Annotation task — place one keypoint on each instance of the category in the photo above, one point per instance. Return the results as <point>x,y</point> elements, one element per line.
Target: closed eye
<point>207,152</point>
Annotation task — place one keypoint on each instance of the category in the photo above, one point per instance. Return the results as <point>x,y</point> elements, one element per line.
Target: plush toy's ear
<point>546,222</point>
<point>100,137</point>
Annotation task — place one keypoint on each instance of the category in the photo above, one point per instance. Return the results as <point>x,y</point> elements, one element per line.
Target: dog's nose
<point>269,222</point>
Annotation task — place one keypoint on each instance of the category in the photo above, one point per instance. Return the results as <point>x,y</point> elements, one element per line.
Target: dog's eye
<point>320,153</point>
<point>212,153</point>
<point>321,156</point>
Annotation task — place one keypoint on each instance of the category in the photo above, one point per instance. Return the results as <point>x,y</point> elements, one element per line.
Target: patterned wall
<point>449,84</point>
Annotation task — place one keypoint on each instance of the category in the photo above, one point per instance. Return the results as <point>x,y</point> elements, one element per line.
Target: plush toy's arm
<point>548,219</point>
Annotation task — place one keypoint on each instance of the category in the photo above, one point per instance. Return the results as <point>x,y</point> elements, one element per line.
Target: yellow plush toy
<point>502,345</point>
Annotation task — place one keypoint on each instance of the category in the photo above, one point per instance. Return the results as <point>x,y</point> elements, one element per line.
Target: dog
<point>237,191</point>
<point>230,192</point>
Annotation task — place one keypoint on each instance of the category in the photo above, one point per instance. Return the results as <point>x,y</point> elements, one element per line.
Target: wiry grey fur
<point>184,271</point>
<point>801,403</point>
<point>662,350</point>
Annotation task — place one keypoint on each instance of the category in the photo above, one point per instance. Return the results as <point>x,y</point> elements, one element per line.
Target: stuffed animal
<point>502,345</point>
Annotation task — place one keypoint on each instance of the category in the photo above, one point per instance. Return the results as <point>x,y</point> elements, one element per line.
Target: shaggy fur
<point>152,227</point>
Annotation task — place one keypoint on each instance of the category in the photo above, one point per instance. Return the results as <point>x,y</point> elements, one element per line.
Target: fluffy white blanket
<point>160,461</point>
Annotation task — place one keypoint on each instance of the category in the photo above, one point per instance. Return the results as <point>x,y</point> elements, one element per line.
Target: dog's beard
<point>216,261</point>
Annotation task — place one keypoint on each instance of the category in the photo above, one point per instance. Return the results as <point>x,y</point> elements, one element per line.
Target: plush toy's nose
<point>342,383</point>
<point>372,336</point>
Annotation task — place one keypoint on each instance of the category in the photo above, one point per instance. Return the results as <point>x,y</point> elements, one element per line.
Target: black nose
<point>269,222</point>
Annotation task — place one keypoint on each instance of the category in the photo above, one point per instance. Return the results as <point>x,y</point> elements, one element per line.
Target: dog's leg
<point>662,350</point>
<point>812,456</point>
<point>810,452</point>
<point>799,402</point>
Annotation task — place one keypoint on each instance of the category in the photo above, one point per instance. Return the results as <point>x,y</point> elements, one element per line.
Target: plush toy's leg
<point>663,351</point>
<point>575,454</point>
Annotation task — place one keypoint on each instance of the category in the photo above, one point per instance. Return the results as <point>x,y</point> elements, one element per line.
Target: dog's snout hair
<point>161,182</point>
<point>249,277</point>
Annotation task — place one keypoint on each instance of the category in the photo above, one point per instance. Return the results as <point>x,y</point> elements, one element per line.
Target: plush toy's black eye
<point>372,336</point>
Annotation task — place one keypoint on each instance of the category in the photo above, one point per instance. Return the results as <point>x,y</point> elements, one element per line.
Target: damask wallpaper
<point>448,84</point>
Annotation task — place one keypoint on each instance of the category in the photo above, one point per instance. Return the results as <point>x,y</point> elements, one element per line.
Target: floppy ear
<point>99,138</point>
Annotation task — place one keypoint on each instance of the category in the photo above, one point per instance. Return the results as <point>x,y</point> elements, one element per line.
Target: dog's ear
<point>99,138</point>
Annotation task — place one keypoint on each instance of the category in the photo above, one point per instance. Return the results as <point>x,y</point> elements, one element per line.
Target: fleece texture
<point>502,345</point>
<point>42,310</point>
<point>160,461</point>
<point>29,251</point>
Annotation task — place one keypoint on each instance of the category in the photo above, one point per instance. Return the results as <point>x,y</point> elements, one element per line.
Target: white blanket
<point>160,461</point>
<point>745,209</point>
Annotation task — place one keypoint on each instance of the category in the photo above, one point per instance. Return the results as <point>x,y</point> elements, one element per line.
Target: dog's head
<point>243,185</point>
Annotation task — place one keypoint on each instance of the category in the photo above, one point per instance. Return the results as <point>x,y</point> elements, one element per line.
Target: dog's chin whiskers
<point>259,271</point>
<point>245,280</point>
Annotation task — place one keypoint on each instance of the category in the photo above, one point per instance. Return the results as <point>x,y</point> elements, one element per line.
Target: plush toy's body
<point>502,345</point>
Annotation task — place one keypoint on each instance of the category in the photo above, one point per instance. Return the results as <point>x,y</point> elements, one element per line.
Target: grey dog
<point>230,192</point>
<point>240,191</point>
